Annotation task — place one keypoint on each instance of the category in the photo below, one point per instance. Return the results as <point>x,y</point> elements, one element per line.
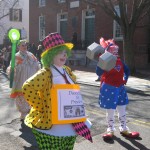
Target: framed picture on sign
<point>67,104</point>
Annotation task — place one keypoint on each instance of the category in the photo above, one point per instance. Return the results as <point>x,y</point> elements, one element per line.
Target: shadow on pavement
<point>31,148</point>
<point>28,136</point>
<point>133,141</point>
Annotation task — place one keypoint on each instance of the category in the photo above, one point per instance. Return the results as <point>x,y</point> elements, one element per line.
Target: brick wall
<point>103,25</point>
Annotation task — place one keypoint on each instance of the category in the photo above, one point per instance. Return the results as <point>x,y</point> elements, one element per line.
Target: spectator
<point>7,55</point>
<point>74,40</point>
<point>39,52</point>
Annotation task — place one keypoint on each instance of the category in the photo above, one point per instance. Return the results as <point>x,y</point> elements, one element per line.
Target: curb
<point>3,73</point>
<point>130,90</point>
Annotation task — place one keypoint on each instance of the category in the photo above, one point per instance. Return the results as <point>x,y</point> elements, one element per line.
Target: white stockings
<point>121,117</point>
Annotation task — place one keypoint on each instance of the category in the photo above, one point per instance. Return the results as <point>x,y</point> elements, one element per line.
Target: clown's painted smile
<point>60,58</point>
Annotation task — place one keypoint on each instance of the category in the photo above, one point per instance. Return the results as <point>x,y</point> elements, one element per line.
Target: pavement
<point>85,75</point>
<point>139,83</point>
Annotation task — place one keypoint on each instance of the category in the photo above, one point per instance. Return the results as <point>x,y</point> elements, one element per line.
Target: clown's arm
<point>99,71</point>
<point>126,72</point>
<point>32,86</point>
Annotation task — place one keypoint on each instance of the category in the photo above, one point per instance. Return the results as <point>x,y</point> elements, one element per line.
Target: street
<point>137,117</point>
<point>16,136</point>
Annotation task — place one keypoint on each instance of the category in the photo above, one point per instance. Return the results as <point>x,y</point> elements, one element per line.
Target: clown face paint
<point>60,58</point>
<point>23,46</point>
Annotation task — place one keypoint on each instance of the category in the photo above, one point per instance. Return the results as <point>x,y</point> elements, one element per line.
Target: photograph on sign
<point>70,104</point>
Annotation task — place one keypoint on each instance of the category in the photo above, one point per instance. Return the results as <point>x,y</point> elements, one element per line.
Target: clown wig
<point>110,46</point>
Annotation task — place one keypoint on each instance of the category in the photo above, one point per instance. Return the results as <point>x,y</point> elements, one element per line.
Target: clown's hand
<point>124,82</point>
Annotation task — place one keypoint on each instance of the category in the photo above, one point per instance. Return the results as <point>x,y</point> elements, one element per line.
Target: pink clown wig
<point>110,46</point>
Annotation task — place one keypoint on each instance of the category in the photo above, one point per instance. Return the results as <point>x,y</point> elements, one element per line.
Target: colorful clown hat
<point>54,40</point>
<point>110,46</point>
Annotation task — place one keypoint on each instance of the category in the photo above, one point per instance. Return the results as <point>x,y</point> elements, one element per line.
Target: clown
<point>39,94</point>
<point>26,65</point>
<point>113,95</point>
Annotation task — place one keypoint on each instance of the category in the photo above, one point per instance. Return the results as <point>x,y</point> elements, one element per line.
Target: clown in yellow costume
<point>37,90</point>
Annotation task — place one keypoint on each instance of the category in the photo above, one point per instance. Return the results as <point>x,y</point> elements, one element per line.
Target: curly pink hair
<point>109,46</point>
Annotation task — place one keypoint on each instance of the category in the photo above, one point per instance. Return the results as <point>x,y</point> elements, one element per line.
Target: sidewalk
<point>6,115</point>
<point>88,76</point>
<point>140,84</point>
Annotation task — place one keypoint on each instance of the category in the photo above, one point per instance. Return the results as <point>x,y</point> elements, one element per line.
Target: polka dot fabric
<point>36,90</point>
<point>112,96</point>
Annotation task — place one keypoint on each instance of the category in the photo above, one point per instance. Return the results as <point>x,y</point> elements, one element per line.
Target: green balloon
<point>14,35</point>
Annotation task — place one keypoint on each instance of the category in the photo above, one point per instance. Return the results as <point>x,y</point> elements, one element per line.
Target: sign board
<point>67,104</point>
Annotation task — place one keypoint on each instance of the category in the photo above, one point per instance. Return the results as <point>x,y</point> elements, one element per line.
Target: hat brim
<point>21,41</point>
<point>69,45</point>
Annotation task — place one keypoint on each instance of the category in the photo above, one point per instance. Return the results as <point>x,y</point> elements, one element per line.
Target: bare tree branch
<point>4,16</point>
<point>104,5</point>
<point>10,7</point>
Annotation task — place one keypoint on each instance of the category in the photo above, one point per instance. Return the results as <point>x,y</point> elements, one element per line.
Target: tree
<point>5,6</point>
<point>128,22</point>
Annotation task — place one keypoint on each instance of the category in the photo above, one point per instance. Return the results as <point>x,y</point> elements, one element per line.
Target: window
<point>62,23</point>
<point>61,1</point>
<point>89,27</point>
<point>15,15</point>
<point>42,3</point>
<point>41,27</point>
<point>117,33</point>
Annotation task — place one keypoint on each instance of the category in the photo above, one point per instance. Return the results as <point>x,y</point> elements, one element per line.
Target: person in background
<point>98,78</point>
<point>74,39</point>
<point>6,57</point>
<point>37,91</point>
<point>113,95</point>
<point>33,49</point>
<point>26,65</point>
<point>39,52</point>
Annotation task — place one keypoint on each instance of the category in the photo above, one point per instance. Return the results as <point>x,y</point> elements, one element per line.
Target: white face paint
<point>23,46</point>
<point>60,58</point>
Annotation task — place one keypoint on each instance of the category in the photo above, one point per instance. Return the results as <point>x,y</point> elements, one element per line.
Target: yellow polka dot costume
<point>37,92</point>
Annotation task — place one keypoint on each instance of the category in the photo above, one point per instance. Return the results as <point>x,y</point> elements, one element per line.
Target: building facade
<point>18,18</point>
<point>83,22</point>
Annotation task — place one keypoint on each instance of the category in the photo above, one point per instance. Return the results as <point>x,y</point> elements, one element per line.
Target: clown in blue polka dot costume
<point>113,94</point>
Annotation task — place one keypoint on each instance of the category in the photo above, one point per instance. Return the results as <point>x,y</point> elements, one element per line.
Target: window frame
<point>84,17</point>
<point>41,37</point>
<point>41,4</point>
<point>18,14</point>
<point>61,1</point>
<point>60,18</point>
<point>116,26</point>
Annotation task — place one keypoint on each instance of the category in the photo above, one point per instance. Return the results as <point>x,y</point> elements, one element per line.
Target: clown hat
<point>54,40</point>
